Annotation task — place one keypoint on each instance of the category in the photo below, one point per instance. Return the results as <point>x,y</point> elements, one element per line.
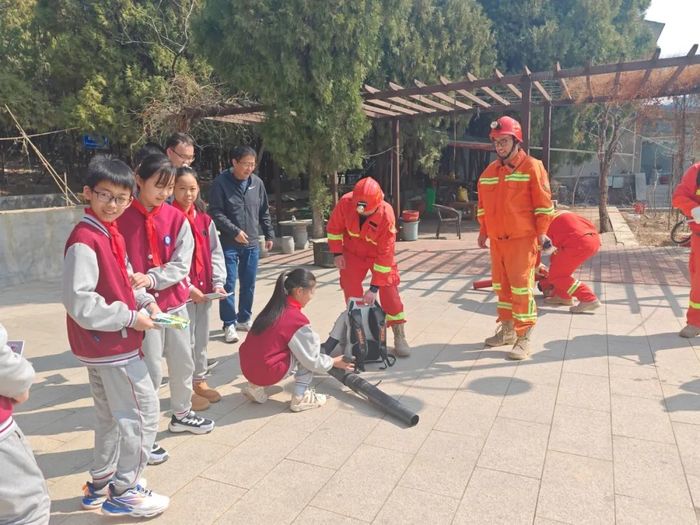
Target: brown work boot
<point>555,300</point>
<point>401,348</point>
<point>202,389</point>
<point>585,306</point>
<point>690,331</point>
<point>521,348</point>
<point>199,403</point>
<point>505,335</point>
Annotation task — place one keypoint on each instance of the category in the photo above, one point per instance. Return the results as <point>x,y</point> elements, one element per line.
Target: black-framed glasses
<point>185,158</point>
<point>106,197</point>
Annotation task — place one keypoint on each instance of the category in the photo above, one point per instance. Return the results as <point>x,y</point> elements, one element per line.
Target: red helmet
<point>506,126</point>
<point>367,194</point>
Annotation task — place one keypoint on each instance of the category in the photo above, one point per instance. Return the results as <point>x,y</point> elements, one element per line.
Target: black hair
<point>238,152</point>
<point>198,202</point>
<point>149,148</point>
<point>156,164</point>
<point>286,282</point>
<point>176,139</point>
<point>104,168</point>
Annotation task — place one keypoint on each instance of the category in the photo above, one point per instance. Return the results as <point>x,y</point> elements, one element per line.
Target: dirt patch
<point>652,228</point>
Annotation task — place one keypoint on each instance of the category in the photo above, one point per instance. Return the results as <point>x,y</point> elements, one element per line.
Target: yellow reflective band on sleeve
<point>334,237</point>
<point>496,286</point>
<point>519,291</point>
<point>518,177</point>
<point>573,288</point>
<point>371,241</point>
<point>480,212</point>
<point>353,234</point>
<point>398,317</point>
<point>488,180</point>
<point>694,305</point>
<point>544,211</point>
<point>505,306</point>
<point>381,269</point>
<point>697,192</point>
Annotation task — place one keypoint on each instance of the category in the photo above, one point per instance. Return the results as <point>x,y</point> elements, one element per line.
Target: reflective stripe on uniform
<point>381,269</point>
<point>480,212</point>
<point>518,177</point>
<point>353,234</point>
<point>335,237</point>
<point>694,305</point>
<point>545,211</point>
<point>488,180</point>
<point>505,306</point>
<point>496,286</point>
<point>525,317</point>
<point>398,317</point>
<point>520,291</point>
<point>573,288</point>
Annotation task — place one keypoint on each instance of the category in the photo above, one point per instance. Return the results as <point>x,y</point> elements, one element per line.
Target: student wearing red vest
<point>574,240</point>
<point>105,332</point>
<point>281,342</point>
<point>160,245</point>
<point>686,198</point>
<point>207,274</point>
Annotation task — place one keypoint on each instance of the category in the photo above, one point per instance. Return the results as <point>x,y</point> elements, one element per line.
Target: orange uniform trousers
<point>513,273</point>
<point>354,273</point>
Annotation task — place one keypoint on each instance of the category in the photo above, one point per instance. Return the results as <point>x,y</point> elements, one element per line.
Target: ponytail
<point>286,282</point>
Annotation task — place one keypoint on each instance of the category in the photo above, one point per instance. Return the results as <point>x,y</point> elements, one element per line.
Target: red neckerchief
<point>151,232</point>
<point>293,302</point>
<point>116,241</point>
<point>199,240</point>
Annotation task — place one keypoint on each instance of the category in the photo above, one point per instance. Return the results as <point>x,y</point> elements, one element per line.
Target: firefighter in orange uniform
<point>686,197</point>
<point>361,235</point>
<point>514,212</point>
<point>574,239</point>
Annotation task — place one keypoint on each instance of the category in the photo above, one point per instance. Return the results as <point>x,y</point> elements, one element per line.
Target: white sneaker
<point>244,327</point>
<point>309,400</point>
<point>255,393</point>
<point>230,334</point>
<point>138,502</point>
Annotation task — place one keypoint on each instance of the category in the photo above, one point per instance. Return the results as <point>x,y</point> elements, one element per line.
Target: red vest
<point>90,346</point>
<point>265,358</point>
<point>203,281</point>
<point>168,225</point>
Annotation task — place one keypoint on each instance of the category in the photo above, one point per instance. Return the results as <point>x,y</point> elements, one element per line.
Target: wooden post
<point>334,187</point>
<point>395,167</point>
<point>526,113</point>
<point>546,135</point>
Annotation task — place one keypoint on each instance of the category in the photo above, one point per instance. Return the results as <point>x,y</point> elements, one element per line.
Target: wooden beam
<point>618,75</point>
<point>562,82</point>
<point>490,92</point>
<point>369,105</point>
<point>545,94</point>
<point>527,108</point>
<point>444,81</point>
<point>513,89</point>
<point>396,167</point>
<point>446,98</point>
<point>422,98</point>
<point>647,73</point>
<point>546,136</point>
<point>588,79</point>
<point>679,69</point>
<point>405,103</point>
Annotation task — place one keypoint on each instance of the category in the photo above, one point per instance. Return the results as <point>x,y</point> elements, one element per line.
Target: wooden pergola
<point>617,82</point>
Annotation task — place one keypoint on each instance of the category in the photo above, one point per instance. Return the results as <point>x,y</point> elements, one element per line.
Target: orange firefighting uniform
<point>576,239</point>
<point>515,206</point>
<point>369,247</point>
<point>686,197</point>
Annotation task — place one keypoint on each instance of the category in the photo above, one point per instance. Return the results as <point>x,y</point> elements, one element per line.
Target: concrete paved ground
<point>601,425</point>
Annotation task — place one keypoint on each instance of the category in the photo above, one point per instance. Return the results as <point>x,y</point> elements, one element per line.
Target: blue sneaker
<point>137,502</point>
<point>94,498</point>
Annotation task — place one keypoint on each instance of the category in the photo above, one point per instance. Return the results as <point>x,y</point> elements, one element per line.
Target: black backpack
<point>367,327</point>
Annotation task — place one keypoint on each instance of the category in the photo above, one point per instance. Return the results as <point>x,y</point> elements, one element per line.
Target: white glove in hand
<point>695,213</point>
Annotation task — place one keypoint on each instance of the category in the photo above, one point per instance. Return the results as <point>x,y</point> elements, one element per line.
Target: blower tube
<point>375,396</point>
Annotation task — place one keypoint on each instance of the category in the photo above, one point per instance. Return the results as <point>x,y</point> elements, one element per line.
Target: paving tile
<point>687,438</point>
<point>535,404</point>
<point>641,381</point>
<point>517,447</point>
<point>469,414</point>
<point>576,489</point>
<point>443,464</point>
<point>498,497</point>
<point>410,506</point>
<point>641,512</point>
<point>581,431</point>
<point>280,496</point>
<point>250,461</point>
<point>384,467</point>
<point>641,467</point>
<point>315,516</point>
<point>585,391</point>
<point>641,418</point>
<point>682,405</point>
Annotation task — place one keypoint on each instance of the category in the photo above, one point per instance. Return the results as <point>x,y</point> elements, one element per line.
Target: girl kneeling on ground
<point>281,341</point>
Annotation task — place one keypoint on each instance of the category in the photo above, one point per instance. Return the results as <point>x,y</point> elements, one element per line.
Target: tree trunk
<point>605,225</point>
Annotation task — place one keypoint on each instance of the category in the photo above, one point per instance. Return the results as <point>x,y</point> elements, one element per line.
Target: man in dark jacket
<point>238,205</point>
